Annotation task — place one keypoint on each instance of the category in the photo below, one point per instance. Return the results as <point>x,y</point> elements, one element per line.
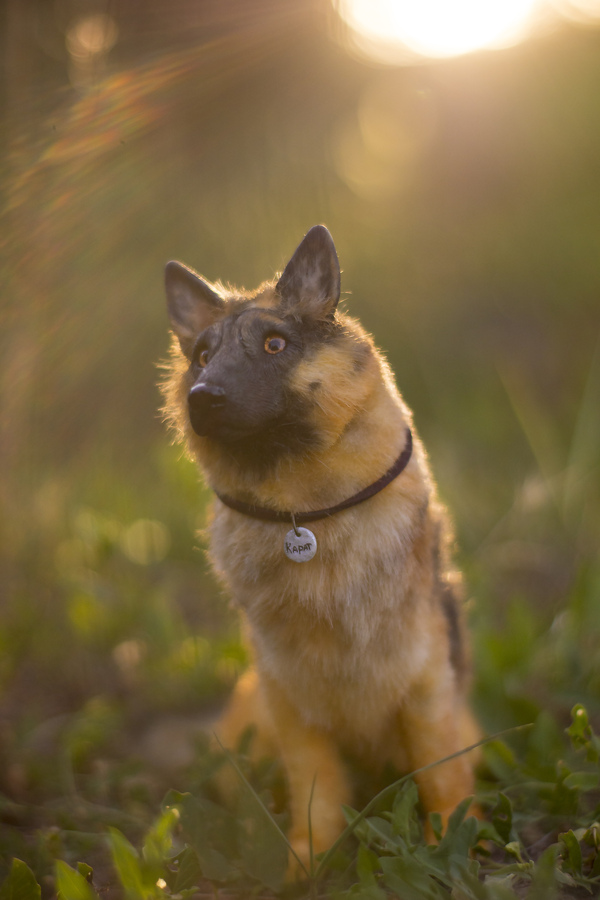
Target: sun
<point>436,28</point>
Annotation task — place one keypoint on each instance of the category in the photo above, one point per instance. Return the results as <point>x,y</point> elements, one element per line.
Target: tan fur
<point>352,649</point>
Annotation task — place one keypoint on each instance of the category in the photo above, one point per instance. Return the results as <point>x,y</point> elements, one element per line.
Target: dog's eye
<point>275,344</point>
<point>203,358</point>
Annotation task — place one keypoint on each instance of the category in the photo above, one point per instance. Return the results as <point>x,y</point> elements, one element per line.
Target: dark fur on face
<point>243,352</point>
<point>262,416</point>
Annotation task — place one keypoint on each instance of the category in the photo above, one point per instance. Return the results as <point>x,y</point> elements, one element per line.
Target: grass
<point>540,838</point>
<point>87,811</point>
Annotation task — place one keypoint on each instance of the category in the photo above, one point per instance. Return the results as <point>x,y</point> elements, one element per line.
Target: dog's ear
<point>310,283</point>
<point>193,304</point>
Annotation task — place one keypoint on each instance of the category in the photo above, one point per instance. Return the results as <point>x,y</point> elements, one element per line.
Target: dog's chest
<point>349,672</point>
<point>338,631</point>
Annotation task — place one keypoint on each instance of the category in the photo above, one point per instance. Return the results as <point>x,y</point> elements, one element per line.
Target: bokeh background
<point>463,195</point>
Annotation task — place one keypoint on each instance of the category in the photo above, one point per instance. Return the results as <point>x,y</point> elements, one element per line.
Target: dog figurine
<point>327,531</point>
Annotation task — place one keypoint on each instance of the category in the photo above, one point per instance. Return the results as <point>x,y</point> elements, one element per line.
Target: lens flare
<point>435,28</point>
<point>584,12</point>
<point>91,35</point>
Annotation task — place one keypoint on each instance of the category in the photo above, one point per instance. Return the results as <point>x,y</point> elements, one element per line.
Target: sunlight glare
<point>91,35</point>
<point>582,11</point>
<point>436,28</point>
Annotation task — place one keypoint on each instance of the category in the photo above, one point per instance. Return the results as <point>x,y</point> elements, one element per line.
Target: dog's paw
<point>299,864</point>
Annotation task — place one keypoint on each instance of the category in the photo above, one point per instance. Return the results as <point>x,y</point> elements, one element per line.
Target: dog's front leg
<point>430,726</point>
<point>313,767</point>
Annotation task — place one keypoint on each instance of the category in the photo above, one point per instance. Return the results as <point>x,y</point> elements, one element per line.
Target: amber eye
<point>275,344</point>
<point>203,358</point>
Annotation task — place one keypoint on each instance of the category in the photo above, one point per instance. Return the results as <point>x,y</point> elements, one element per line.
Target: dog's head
<point>276,371</point>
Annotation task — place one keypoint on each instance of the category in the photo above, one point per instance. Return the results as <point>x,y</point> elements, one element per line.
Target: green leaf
<point>544,881</point>
<point>72,885</point>
<point>579,730</point>
<point>502,817</point>
<point>264,854</point>
<point>498,888</point>
<point>581,734</point>
<point>350,814</point>
<point>457,817</point>
<point>188,872</point>
<point>515,849</point>
<point>595,872</point>
<point>487,832</point>
<point>582,781</point>
<point>405,876</point>
<point>404,812</point>
<point>460,836</point>
<point>545,743</point>
<point>214,834</point>
<point>379,832</point>
<point>591,835</point>
<point>363,892</point>
<point>158,840</point>
<point>129,869</point>
<point>572,857</point>
<point>174,799</point>
<point>465,840</point>
<point>436,825</point>
<point>216,866</point>
<point>367,863</point>
<point>20,883</point>
<point>86,871</point>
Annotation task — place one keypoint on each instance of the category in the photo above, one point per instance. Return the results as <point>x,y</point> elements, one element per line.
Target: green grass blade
<point>583,454</point>
<point>249,787</point>
<point>310,838</point>
<point>538,431</point>
<point>349,830</point>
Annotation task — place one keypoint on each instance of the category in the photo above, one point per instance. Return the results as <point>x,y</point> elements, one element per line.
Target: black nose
<point>203,402</point>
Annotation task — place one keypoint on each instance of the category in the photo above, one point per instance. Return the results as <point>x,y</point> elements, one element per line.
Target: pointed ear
<point>311,280</point>
<point>193,304</point>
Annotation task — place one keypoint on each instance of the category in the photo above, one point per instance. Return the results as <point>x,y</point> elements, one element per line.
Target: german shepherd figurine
<point>354,622</point>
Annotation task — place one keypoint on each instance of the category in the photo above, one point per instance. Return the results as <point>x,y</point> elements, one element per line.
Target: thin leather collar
<point>299,518</point>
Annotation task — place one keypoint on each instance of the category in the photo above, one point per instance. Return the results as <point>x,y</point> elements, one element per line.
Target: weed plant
<point>540,839</point>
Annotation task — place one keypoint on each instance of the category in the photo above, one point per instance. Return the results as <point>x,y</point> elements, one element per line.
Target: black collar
<point>274,515</point>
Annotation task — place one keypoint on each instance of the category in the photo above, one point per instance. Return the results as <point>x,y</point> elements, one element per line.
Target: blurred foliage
<point>463,197</point>
<point>540,839</point>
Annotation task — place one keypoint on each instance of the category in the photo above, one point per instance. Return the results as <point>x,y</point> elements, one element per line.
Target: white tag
<point>300,547</point>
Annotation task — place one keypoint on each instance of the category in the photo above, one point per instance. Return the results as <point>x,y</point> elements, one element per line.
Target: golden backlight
<point>436,28</point>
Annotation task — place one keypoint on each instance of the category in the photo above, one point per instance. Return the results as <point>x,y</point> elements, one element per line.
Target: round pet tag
<point>301,546</point>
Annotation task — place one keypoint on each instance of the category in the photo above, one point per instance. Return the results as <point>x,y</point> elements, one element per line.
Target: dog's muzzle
<point>204,402</point>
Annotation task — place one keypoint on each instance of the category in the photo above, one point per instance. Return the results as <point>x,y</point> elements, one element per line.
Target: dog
<point>355,622</point>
